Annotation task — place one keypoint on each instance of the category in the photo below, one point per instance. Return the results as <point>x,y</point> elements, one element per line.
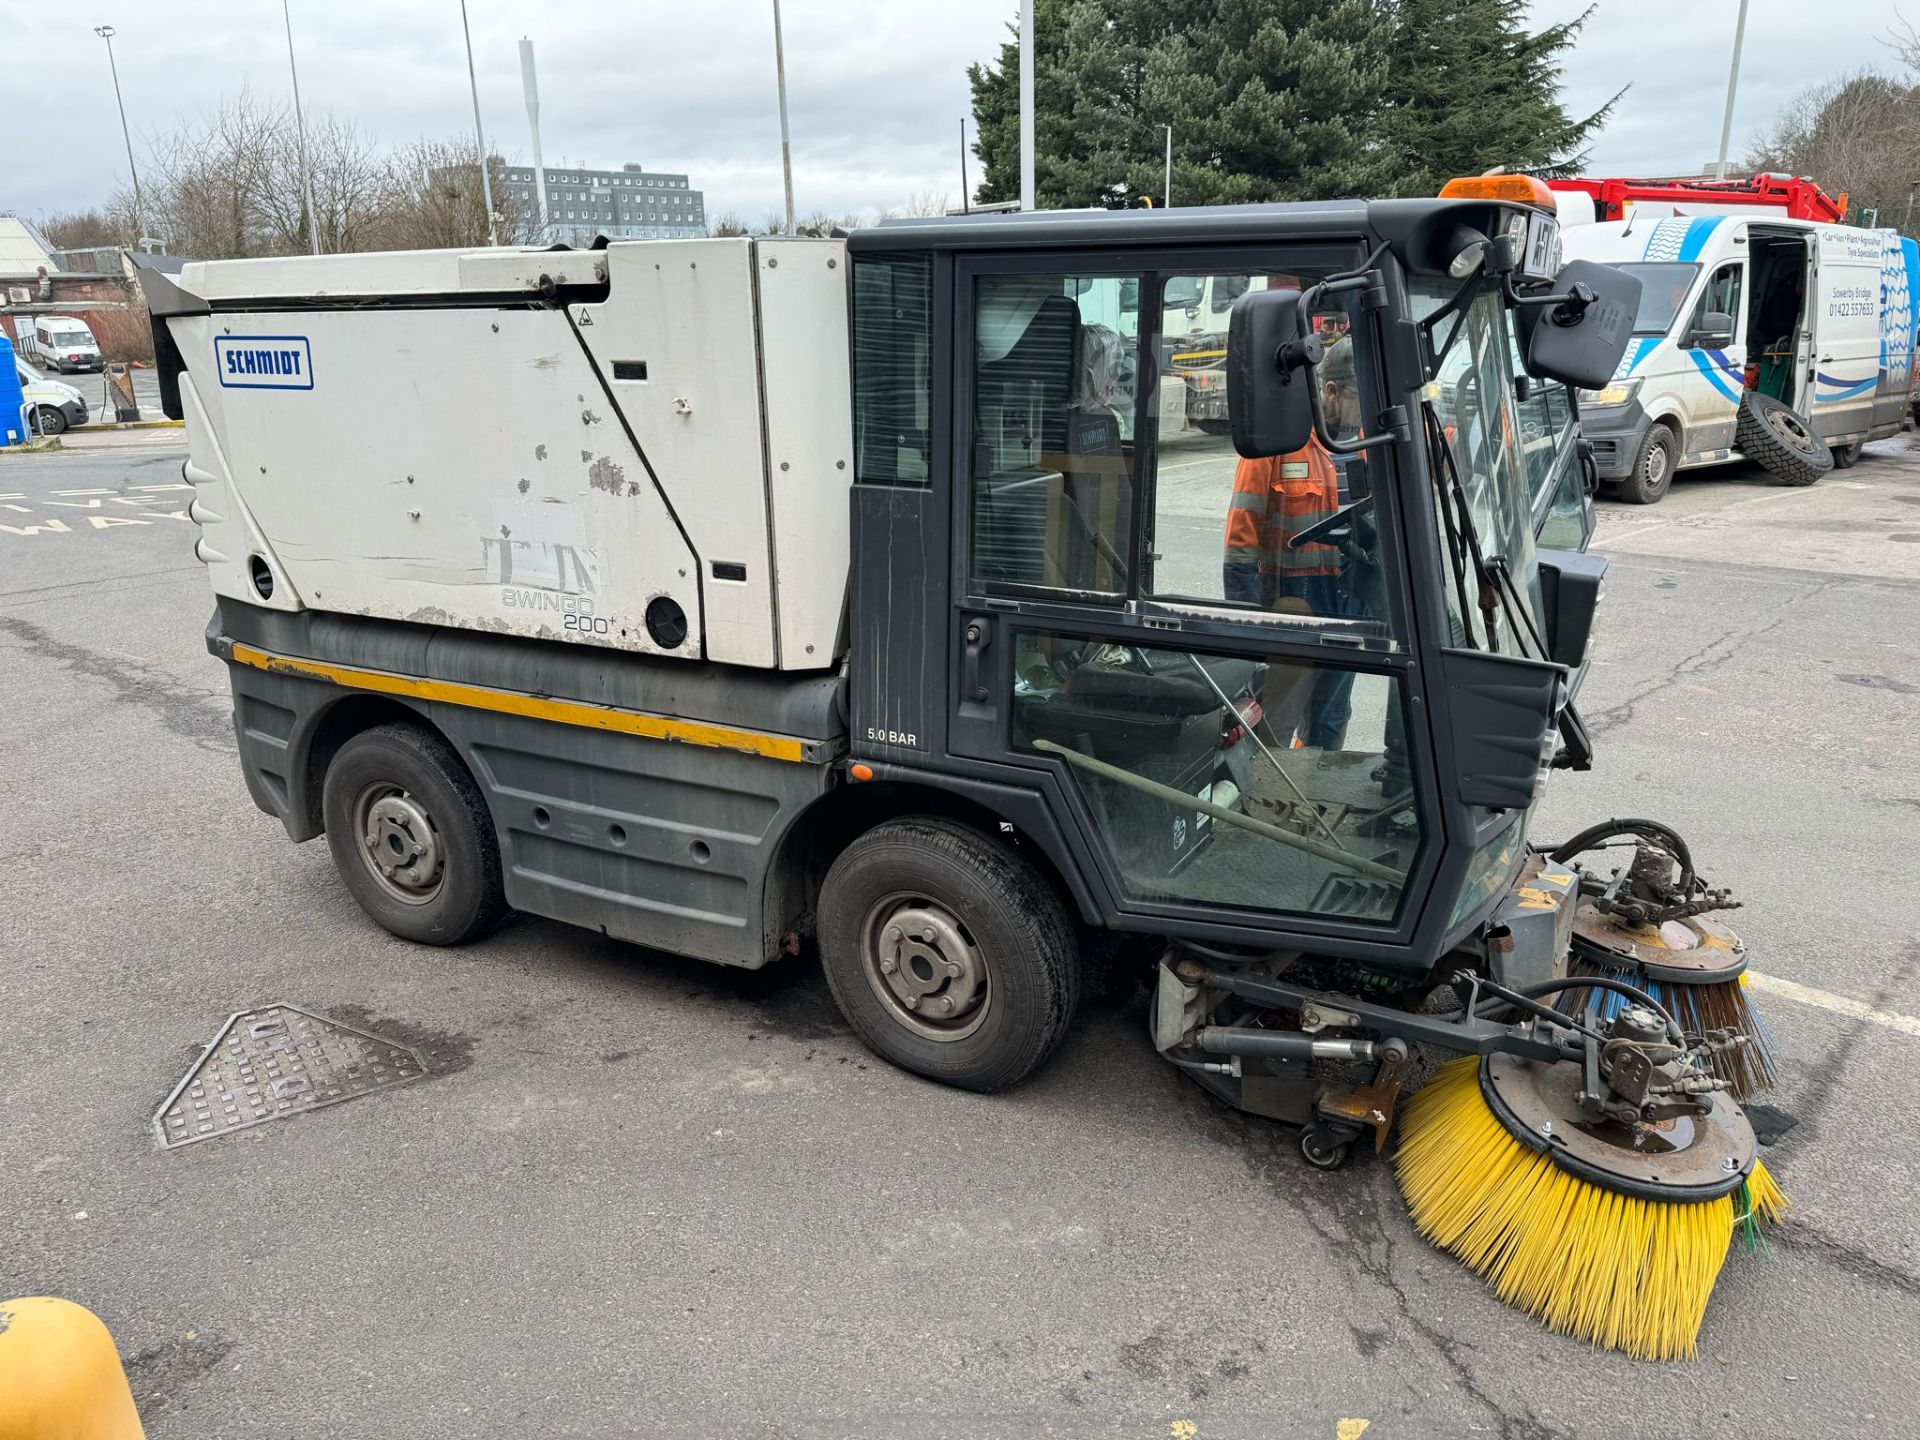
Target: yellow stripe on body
<point>533,707</point>
<point>1186,355</point>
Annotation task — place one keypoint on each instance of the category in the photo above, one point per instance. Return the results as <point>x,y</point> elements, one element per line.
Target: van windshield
<point>1663,290</point>
<point>72,337</point>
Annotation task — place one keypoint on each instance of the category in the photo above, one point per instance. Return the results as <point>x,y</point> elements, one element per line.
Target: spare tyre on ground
<point>1781,439</point>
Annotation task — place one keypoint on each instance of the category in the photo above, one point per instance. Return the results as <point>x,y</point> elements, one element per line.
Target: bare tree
<point>924,203</point>
<point>727,224</point>
<point>1858,134</point>
<point>83,230</point>
<point>431,198</point>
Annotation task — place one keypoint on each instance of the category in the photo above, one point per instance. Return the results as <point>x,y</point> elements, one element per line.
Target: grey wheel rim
<point>399,843</point>
<point>924,967</point>
<point>1654,472</point>
<point>1788,427</point>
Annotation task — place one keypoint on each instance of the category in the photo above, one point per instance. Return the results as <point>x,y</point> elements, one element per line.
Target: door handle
<point>978,637</point>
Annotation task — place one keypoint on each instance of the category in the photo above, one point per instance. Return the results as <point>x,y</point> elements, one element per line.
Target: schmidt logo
<point>263,362</point>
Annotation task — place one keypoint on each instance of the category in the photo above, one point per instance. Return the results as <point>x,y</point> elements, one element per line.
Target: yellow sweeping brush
<point>1620,1270</point>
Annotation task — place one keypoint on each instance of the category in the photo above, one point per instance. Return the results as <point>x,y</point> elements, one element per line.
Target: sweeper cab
<point>881,597</point>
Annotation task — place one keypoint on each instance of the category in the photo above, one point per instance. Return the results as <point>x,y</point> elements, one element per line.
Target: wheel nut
<point>887,967</point>
<point>946,1004</point>
<point>912,1002</point>
<point>953,969</point>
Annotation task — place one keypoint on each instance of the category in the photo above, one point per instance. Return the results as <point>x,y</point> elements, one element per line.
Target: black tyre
<point>948,953</point>
<point>1845,457</point>
<point>411,836</point>
<point>1219,426</point>
<point>49,421</point>
<point>1781,440</point>
<point>1653,466</point>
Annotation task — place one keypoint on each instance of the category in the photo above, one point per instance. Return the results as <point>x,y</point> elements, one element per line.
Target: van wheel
<point>1652,474</point>
<point>411,836</point>
<point>1781,440</point>
<point>1845,457</point>
<point>948,953</point>
<point>49,421</point>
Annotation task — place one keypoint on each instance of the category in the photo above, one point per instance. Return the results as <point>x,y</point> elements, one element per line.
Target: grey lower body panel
<point>663,843</point>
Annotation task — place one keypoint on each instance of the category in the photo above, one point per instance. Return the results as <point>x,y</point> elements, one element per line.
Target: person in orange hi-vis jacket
<point>1274,499</point>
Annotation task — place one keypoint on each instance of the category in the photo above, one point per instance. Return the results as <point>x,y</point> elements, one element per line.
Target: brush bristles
<point>1697,1009</point>
<point>1628,1274</point>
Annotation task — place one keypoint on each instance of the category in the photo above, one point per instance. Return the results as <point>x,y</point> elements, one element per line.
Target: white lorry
<point>1779,340</point>
<point>61,343</point>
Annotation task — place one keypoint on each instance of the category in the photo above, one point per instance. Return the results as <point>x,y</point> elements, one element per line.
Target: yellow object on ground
<point>1622,1272</point>
<point>60,1376</point>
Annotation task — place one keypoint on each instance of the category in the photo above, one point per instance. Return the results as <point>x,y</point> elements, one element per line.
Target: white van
<point>60,342</point>
<point>1750,326</point>
<point>56,406</point>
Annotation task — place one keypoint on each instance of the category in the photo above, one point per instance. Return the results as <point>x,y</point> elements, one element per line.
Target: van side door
<point>1845,324</point>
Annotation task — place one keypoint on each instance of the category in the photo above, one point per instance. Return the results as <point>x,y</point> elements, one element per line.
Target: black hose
<point>1603,982</point>
<point>1588,838</point>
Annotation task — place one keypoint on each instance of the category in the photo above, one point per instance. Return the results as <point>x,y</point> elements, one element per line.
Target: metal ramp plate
<point>273,1062</point>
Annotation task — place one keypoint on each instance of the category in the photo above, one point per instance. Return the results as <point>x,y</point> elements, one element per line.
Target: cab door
<point>1844,326</point>
<point>1221,720</point>
<point>1715,378</point>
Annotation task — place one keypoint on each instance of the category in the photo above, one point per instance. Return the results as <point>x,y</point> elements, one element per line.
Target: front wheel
<point>1845,457</point>
<point>411,836</point>
<point>49,421</point>
<point>1653,467</point>
<point>948,953</point>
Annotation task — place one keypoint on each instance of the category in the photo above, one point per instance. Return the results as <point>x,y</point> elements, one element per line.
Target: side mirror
<point>1581,344</point>
<point>1714,331</point>
<point>1270,374</point>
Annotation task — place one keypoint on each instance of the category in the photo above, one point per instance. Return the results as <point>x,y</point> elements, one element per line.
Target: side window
<point>1225,529</point>
<point>892,381</point>
<point>1722,296</point>
<point>1262,782</point>
<point>1054,392</point>
<point>1543,418</point>
<point>1568,524</point>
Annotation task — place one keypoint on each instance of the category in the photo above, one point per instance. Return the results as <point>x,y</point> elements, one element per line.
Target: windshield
<point>1663,290</point>
<point>1476,414</point>
<point>28,375</point>
<point>72,337</point>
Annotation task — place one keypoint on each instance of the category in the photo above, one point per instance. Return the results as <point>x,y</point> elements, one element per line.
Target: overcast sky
<point>876,87</point>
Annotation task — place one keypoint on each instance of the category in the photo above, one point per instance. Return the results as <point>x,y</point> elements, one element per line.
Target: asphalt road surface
<point>637,1196</point>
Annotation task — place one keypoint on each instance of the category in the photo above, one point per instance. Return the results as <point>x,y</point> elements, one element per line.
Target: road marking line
<point>1838,1004</point>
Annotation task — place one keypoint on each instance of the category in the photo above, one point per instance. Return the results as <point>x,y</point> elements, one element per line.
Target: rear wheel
<point>411,836</point>
<point>1845,457</point>
<point>49,421</point>
<point>948,953</point>
<point>1652,473</point>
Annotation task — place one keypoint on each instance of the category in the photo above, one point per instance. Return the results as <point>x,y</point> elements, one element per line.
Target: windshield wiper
<point>1458,521</point>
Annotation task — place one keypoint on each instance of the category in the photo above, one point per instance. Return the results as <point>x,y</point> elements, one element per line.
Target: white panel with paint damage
<point>684,310</point>
<point>455,459</point>
<point>447,466</point>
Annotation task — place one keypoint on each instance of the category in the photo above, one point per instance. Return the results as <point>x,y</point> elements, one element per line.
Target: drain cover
<point>278,1061</point>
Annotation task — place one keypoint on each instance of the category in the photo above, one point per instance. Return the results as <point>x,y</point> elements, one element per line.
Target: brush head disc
<point>1683,1161</point>
<point>1694,951</point>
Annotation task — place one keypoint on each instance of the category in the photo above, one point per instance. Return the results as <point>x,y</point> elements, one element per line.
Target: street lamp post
<point>106,33</point>
<point>1166,195</point>
<point>1733,83</point>
<point>1906,225</point>
<point>1026,105</point>
<point>479,134</point>
<point>300,129</point>
<point>786,148</point>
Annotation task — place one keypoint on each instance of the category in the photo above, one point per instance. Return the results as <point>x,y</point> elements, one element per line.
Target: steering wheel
<point>1322,532</point>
